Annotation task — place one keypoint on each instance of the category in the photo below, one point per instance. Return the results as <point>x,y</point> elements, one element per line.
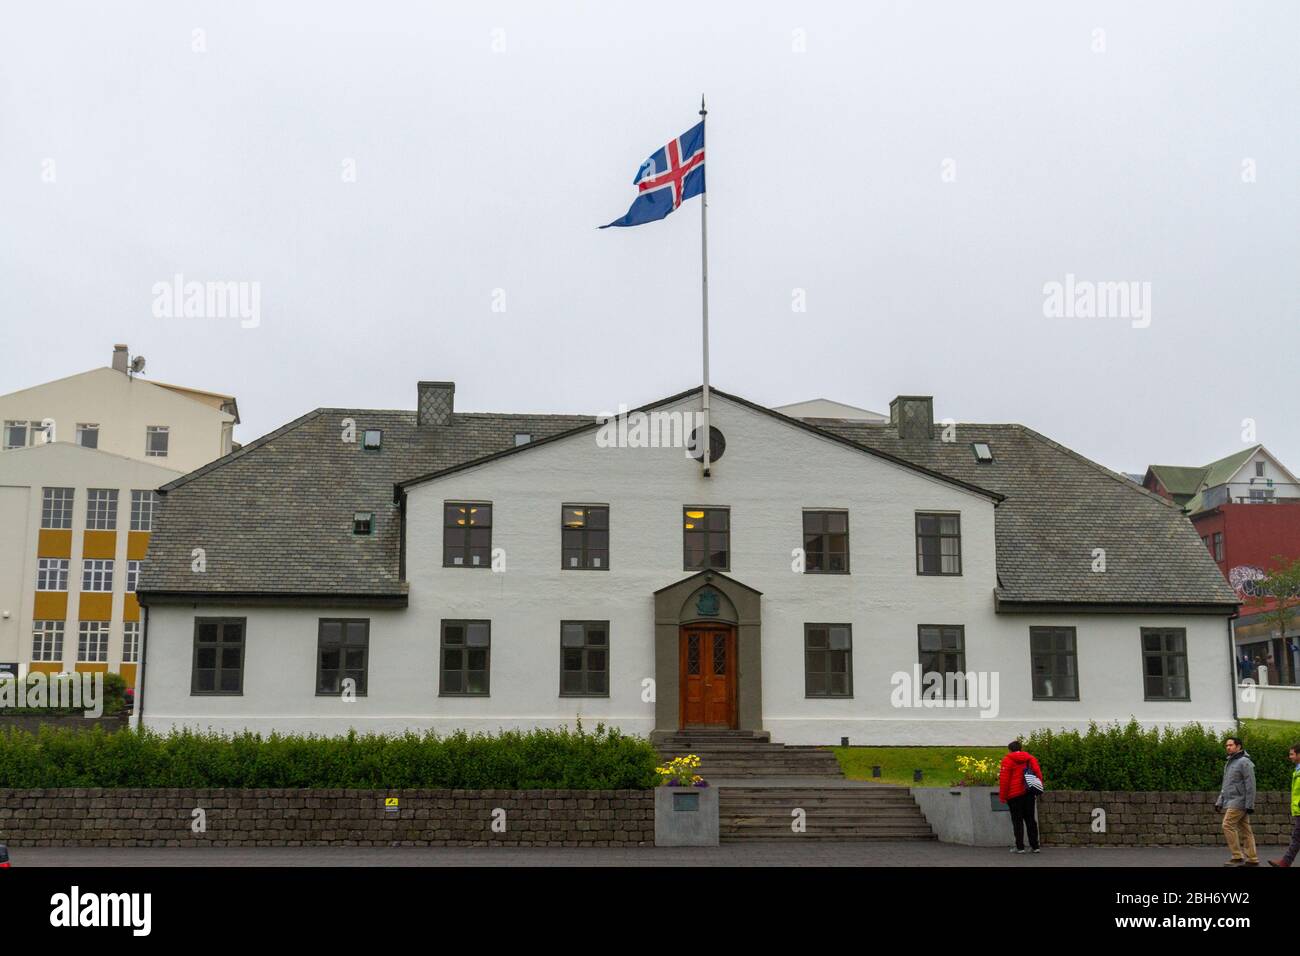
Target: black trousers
<point>1022,816</point>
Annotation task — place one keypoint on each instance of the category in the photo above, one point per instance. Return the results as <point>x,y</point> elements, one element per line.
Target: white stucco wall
<point>770,473</point>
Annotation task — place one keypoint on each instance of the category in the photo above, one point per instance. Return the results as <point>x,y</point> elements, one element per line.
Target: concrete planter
<point>686,816</point>
<point>971,816</point>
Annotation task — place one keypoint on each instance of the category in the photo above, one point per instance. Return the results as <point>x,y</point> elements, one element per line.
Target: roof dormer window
<point>372,439</point>
<point>983,451</point>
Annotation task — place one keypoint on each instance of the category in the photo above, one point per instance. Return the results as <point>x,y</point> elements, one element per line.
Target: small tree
<point>1282,587</point>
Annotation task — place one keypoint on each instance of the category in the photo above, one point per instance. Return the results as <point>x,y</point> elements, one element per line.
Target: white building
<point>80,461</point>
<point>449,570</point>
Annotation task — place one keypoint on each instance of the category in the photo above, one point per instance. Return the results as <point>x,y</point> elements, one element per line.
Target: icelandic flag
<point>670,176</point>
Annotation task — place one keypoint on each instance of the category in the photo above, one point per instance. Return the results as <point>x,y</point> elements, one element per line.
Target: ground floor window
<point>943,651</point>
<point>342,652</point>
<point>218,656</point>
<point>465,658</point>
<point>1164,663</point>
<point>584,658</point>
<point>1054,661</point>
<point>828,655</point>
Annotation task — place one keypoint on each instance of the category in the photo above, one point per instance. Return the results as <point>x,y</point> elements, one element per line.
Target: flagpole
<point>704,272</point>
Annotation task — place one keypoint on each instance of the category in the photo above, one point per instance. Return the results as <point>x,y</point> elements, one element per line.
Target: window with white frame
<point>87,435</point>
<point>92,642</point>
<point>47,640</point>
<point>101,509</point>
<point>130,642</point>
<point>155,441</point>
<point>51,574</point>
<point>56,507</point>
<point>132,576</point>
<point>96,575</point>
<point>143,505</point>
<point>17,434</point>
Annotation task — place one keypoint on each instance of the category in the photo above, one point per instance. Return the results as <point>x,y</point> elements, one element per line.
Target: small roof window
<point>522,438</point>
<point>363,522</point>
<point>983,451</point>
<point>372,439</point>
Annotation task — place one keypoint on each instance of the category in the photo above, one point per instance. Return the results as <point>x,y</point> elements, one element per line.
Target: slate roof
<point>1058,507</point>
<point>275,516</point>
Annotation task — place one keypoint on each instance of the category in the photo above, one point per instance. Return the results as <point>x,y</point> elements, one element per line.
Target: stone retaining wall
<point>1154,819</point>
<point>139,817</point>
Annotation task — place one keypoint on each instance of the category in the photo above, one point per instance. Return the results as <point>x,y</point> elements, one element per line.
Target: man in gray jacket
<point>1237,802</point>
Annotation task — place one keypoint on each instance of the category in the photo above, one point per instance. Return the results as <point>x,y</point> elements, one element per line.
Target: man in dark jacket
<point>1237,802</point>
<point>1019,798</point>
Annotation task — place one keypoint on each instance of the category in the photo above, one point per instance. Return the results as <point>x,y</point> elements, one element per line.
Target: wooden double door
<point>707,669</point>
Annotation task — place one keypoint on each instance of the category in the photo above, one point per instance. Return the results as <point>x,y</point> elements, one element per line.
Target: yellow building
<point>80,461</point>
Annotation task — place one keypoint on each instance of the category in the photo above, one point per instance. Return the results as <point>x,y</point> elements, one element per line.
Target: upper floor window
<point>706,538</point>
<point>826,542</point>
<point>465,658</point>
<point>130,642</point>
<point>1259,469</point>
<point>828,655</point>
<point>51,574</point>
<point>1218,546</point>
<point>87,435</point>
<point>143,505</point>
<point>584,658</point>
<point>1164,663</point>
<point>56,507</point>
<point>92,642</point>
<point>943,651</point>
<point>466,535</point>
<point>97,575</point>
<point>101,509</point>
<point>343,648</point>
<point>132,576</point>
<point>47,640</point>
<point>218,656</point>
<point>1053,658</point>
<point>584,537</point>
<point>938,544</point>
<point>155,441</point>
<point>17,434</point>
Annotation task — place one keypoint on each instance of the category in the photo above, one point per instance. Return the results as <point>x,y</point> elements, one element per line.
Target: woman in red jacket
<point>1018,796</point>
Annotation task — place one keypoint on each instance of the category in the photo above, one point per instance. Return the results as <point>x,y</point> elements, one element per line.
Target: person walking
<point>1237,802</point>
<point>1289,856</point>
<point>1019,794</point>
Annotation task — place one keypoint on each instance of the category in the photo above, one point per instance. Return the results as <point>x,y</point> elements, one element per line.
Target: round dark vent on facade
<point>717,445</point>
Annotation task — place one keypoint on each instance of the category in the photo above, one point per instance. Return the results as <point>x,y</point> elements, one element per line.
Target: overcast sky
<point>919,170</point>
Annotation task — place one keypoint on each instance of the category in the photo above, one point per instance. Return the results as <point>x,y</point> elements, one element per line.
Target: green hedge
<point>114,694</point>
<point>1127,757</point>
<point>538,759</point>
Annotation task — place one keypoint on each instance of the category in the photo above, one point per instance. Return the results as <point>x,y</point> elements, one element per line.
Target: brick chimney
<point>913,416</point>
<point>435,401</point>
<point>119,358</point>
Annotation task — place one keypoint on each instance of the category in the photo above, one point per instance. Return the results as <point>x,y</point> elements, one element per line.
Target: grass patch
<point>1288,730</point>
<point>938,764</point>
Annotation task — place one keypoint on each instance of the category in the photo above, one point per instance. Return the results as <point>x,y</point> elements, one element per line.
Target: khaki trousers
<point>1241,839</point>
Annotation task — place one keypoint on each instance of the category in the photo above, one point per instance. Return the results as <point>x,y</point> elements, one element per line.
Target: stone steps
<point>858,813</point>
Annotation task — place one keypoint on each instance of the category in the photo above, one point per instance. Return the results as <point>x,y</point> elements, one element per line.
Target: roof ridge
<point>242,450</point>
